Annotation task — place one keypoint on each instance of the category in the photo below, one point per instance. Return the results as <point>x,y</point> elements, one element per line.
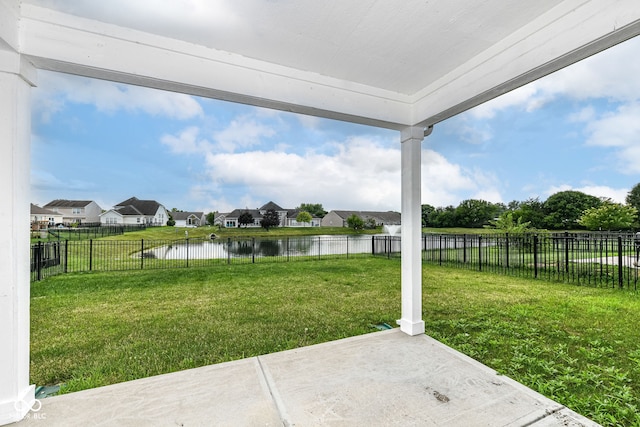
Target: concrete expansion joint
<point>548,412</point>
<point>275,396</point>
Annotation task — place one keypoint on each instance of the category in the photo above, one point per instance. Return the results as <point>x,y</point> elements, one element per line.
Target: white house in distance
<point>287,217</point>
<point>134,211</point>
<point>43,218</point>
<point>339,218</point>
<point>75,211</point>
<point>188,219</point>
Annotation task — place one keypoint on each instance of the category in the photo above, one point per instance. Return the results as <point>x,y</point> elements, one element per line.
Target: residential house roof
<point>179,216</point>
<point>271,205</point>
<point>237,212</point>
<point>62,203</point>
<point>144,207</point>
<point>42,211</point>
<point>128,210</point>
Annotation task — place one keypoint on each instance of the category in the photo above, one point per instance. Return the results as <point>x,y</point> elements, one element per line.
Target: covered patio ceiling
<point>387,63</point>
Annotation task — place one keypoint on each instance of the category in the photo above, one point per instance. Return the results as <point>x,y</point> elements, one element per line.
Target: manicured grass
<point>95,329</point>
<point>579,346</point>
<point>176,233</point>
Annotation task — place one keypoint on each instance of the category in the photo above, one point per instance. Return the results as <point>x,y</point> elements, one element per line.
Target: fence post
<point>373,245</point>
<point>566,251</point>
<point>66,255</point>
<point>479,252</point>
<point>187,239</point>
<point>535,256</point>
<point>440,250</point>
<point>141,254</point>
<point>253,250</point>
<point>464,248</point>
<point>228,250</point>
<point>620,281</point>
<point>347,247</point>
<point>506,243</point>
<point>90,254</point>
<point>39,260</point>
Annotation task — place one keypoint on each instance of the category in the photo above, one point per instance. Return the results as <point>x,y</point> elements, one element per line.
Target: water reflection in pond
<point>293,246</point>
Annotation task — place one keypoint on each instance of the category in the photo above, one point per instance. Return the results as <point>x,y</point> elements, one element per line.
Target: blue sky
<point>95,140</point>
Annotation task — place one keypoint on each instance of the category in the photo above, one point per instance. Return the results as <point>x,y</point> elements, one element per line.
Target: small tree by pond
<point>245,218</point>
<point>270,219</point>
<point>355,222</point>
<point>304,217</point>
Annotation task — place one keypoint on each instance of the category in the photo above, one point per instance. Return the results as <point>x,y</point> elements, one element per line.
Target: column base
<point>411,328</point>
<point>14,410</point>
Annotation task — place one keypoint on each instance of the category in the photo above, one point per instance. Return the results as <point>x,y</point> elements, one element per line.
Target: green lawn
<point>579,346</point>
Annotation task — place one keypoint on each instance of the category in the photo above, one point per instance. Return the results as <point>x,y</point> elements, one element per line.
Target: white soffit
<point>388,63</point>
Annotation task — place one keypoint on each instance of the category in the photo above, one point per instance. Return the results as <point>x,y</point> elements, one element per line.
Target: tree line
<point>564,210</point>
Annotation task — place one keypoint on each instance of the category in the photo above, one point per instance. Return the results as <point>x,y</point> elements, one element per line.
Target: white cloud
<point>187,142</point>
<point>585,114</point>
<point>445,183</point>
<point>611,74</point>
<point>242,132</point>
<point>619,130</point>
<point>618,195</point>
<point>616,129</point>
<point>56,89</point>
<point>363,174</point>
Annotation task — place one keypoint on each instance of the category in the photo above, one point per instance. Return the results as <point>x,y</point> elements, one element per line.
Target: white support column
<point>411,322</point>
<point>16,395</point>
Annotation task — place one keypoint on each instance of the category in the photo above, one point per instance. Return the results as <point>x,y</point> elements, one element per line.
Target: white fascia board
<point>9,18</point>
<point>66,43</point>
<point>572,31</point>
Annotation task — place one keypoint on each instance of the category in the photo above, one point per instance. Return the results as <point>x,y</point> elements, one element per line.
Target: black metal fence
<point>594,259</point>
<point>52,258</point>
<point>586,259</point>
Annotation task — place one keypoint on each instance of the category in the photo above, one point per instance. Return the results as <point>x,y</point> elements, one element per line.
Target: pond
<point>292,246</point>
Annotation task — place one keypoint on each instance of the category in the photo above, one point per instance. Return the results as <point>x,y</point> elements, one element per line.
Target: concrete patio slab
<point>381,379</point>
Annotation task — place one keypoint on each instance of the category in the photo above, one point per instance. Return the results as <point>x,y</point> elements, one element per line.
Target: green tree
<point>355,222</point>
<point>609,216</point>
<point>171,222</point>
<point>427,211</point>
<point>475,213</point>
<point>633,199</point>
<point>304,217</point>
<point>315,209</point>
<point>370,223</point>
<point>270,219</point>
<point>211,218</point>
<point>245,218</point>
<point>511,224</point>
<point>563,209</point>
<point>443,217</point>
<point>531,211</point>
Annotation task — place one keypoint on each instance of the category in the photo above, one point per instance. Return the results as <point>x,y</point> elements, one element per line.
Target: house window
<point>77,211</point>
<point>138,220</point>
